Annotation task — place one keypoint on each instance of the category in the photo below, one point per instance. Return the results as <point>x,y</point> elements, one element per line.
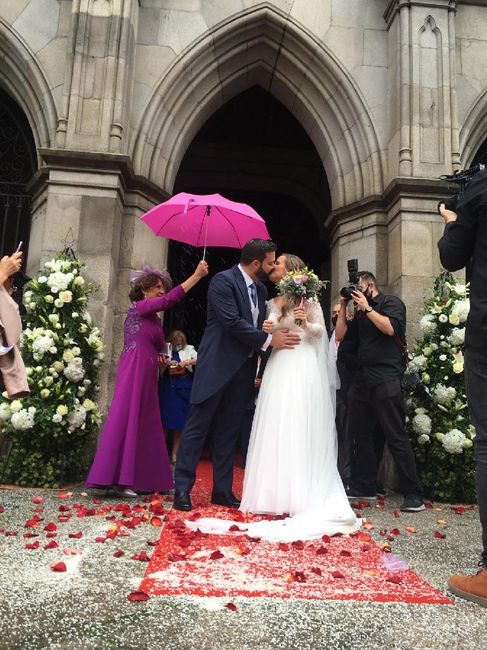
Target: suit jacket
<point>230,336</point>
<point>11,364</point>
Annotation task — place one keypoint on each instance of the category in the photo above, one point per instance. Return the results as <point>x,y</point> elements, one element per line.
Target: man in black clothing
<point>376,395</point>
<point>465,240</point>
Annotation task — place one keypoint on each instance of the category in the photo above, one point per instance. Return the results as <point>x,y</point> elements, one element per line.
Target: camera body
<point>460,180</point>
<point>353,278</point>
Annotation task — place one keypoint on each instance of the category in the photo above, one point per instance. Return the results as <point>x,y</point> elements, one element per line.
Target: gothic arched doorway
<point>18,163</point>
<point>255,151</point>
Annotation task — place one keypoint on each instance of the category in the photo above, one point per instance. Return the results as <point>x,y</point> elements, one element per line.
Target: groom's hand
<point>285,339</point>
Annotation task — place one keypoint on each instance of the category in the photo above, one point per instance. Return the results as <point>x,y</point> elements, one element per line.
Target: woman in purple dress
<point>132,453</point>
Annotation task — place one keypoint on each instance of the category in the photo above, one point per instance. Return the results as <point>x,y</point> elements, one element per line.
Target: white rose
<point>45,393</point>
<point>79,281</point>
<point>49,299</point>
<point>67,356</point>
<point>58,303</point>
<point>53,318</point>
<point>42,279</point>
<point>5,411</point>
<point>15,406</point>
<point>443,318</point>
<point>76,351</point>
<point>62,409</point>
<point>65,296</point>
<point>88,405</point>
<point>57,417</point>
<point>75,314</point>
<point>423,439</point>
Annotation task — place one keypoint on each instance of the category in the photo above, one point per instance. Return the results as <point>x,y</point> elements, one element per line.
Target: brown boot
<point>472,588</point>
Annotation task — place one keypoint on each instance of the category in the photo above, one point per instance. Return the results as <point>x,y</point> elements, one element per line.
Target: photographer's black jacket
<point>466,239</point>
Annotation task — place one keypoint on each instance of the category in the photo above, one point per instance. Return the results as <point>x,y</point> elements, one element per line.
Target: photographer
<point>376,395</point>
<point>465,240</point>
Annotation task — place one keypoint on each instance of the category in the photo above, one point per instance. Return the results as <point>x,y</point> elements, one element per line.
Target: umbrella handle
<point>204,253</point>
<point>207,214</point>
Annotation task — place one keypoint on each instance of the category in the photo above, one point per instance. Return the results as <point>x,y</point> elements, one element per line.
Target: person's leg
<point>176,437</point>
<point>192,441</point>
<point>390,408</point>
<point>343,437</point>
<point>361,424</point>
<point>474,587</point>
<point>227,425</point>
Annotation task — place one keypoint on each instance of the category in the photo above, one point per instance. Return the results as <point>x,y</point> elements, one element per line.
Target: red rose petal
<point>33,545</point>
<point>10,533</point>
<point>231,606</point>
<point>77,535</point>
<point>100,540</point>
<point>321,550</point>
<point>50,535</point>
<point>58,567</point>
<point>52,544</point>
<point>395,531</point>
<point>299,576</point>
<point>337,575</point>
<point>326,539</point>
<point>50,527</point>
<point>156,521</point>
<point>216,555</point>
<point>118,553</point>
<point>317,570</point>
<point>28,535</point>
<point>397,514</point>
<point>283,547</point>
<point>439,535</point>
<point>395,580</point>
<point>138,596</point>
<point>38,500</point>
<point>345,554</point>
<point>298,545</point>
<point>141,557</point>
<point>152,542</point>
<point>2,509</point>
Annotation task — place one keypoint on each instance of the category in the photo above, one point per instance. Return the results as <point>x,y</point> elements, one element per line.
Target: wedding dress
<point>291,463</point>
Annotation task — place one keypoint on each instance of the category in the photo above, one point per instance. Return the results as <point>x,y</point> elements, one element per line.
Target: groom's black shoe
<point>182,501</point>
<point>225,499</point>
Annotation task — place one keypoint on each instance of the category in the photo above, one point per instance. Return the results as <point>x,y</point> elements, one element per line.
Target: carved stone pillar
<point>424,127</point>
<point>99,76</point>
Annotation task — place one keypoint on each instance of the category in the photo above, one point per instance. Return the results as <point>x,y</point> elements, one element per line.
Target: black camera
<point>353,278</point>
<point>459,181</point>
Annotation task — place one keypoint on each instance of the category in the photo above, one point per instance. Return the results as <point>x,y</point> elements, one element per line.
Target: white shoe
<point>126,492</point>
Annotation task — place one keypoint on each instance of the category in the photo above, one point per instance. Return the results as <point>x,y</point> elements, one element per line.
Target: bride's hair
<point>292,263</point>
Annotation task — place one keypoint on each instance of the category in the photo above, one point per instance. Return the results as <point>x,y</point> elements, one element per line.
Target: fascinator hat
<point>150,270</point>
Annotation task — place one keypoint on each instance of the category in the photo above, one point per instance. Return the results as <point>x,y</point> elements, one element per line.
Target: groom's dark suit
<point>224,378</point>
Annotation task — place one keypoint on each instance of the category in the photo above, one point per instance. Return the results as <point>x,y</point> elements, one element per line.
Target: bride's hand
<point>300,314</point>
<point>268,326</point>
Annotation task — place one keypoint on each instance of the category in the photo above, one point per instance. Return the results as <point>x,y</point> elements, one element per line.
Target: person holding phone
<point>12,367</point>
<point>132,454</point>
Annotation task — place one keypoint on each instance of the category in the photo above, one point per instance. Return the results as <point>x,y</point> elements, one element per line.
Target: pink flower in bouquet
<point>298,279</point>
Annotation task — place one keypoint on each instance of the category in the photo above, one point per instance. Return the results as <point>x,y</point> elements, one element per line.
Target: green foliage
<point>438,421</point>
<point>52,430</point>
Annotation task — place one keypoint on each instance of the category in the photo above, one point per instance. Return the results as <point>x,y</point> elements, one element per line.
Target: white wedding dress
<point>291,462</point>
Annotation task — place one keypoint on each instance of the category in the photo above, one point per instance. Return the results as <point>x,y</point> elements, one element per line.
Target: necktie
<point>253,293</point>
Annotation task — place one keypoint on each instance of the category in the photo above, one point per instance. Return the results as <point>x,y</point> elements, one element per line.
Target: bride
<point>291,463</point>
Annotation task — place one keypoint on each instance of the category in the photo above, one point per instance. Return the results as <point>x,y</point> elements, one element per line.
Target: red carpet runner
<point>340,568</point>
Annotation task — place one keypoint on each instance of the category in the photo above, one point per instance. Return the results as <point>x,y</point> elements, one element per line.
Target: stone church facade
<point>388,94</point>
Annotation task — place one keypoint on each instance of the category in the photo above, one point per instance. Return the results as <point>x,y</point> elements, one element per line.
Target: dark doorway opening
<point>18,162</point>
<point>253,150</point>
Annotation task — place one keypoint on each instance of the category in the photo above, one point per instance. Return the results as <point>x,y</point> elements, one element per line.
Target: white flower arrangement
<point>417,363</point>
<point>62,351</point>
<point>427,324</point>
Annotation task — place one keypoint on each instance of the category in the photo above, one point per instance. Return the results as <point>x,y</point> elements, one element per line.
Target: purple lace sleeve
<point>154,305</point>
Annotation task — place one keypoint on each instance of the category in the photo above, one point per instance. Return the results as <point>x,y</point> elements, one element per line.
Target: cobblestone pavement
<point>87,606</point>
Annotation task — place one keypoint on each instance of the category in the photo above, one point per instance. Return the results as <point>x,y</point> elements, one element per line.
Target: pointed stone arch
<point>473,132</point>
<point>23,79</point>
<point>263,46</point>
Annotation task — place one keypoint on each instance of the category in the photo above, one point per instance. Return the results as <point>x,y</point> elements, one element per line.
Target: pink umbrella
<point>206,220</point>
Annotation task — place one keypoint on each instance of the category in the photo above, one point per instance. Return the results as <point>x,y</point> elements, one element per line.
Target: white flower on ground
<point>453,441</point>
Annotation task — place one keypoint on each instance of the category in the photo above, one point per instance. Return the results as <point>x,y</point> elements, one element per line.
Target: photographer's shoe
<point>473,588</point>
<point>358,495</point>
<point>412,503</point>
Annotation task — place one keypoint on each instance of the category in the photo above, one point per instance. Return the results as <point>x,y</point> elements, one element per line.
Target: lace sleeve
<point>316,322</point>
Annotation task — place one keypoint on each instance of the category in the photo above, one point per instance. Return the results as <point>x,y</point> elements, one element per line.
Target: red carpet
<point>340,568</point>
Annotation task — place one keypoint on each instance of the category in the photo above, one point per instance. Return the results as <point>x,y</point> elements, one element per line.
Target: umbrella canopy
<point>206,220</point>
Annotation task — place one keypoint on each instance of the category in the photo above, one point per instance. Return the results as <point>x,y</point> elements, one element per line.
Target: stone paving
<point>87,606</point>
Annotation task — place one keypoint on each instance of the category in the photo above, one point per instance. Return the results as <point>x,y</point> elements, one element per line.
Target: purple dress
<point>132,451</point>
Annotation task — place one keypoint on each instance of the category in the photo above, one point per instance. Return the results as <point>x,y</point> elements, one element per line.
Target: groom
<point>227,359</point>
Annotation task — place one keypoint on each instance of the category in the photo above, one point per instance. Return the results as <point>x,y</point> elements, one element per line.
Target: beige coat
<point>11,364</point>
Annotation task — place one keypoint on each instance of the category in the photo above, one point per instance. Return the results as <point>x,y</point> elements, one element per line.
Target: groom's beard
<point>261,274</point>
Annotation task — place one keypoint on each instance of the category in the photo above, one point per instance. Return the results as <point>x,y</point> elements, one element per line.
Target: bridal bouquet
<point>299,286</point>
